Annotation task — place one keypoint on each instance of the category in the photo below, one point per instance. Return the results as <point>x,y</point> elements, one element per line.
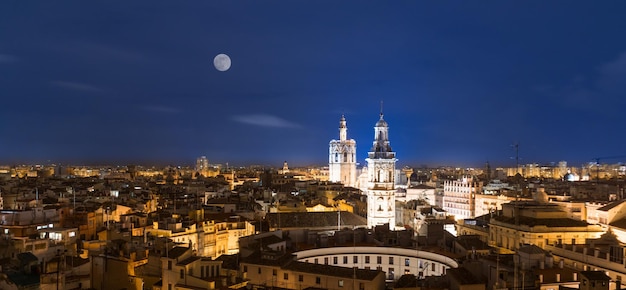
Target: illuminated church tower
<point>342,157</point>
<point>381,165</point>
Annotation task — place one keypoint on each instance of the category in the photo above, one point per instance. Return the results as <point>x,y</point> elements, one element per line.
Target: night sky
<point>134,82</point>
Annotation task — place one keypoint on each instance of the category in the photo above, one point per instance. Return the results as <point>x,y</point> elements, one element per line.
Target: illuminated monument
<point>381,165</point>
<point>342,157</point>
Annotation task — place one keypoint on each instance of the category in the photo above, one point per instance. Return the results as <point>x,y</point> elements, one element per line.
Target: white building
<point>381,164</point>
<point>459,197</point>
<point>342,157</point>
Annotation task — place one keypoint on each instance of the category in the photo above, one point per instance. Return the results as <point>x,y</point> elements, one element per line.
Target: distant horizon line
<point>295,164</point>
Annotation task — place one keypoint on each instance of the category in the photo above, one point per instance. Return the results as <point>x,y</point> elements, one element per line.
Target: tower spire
<point>381,109</point>
<point>343,129</point>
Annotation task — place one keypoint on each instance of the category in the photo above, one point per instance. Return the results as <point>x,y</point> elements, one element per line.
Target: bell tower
<point>342,157</point>
<point>381,166</point>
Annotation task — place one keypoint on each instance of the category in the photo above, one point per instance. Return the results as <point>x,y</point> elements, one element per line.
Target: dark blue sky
<point>133,81</point>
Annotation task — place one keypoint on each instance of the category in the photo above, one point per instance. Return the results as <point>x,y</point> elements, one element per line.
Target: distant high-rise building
<point>381,164</point>
<point>342,157</point>
<point>202,164</point>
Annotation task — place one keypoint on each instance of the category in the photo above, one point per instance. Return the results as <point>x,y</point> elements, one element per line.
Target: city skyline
<point>117,83</point>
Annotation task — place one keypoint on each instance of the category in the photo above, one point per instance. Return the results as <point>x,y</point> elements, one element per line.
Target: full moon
<point>221,62</point>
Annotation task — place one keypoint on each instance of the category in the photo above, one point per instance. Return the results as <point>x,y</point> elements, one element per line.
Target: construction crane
<point>597,159</point>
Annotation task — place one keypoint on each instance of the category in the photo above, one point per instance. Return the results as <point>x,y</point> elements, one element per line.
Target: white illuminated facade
<point>342,157</point>
<point>393,261</point>
<point>381,164</point>
<point>459,197</point>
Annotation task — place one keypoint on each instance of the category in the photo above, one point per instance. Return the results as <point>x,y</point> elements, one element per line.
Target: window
<point>432,267</point>
<point>169,265</point>
<point>361,286</point>
<point>390,274</point>
<point>345,259</point>
<point>379,260</point>
<point>245,269</point>
<point>286,276</point>
<point>318,280</point>
<point>315,260</point>
<point>274,272</point>
<point>340,284</point>
<point>300,278</point>
<point>335,260</point>
<point>367,259</point>
<point>390,260</point>
<point>355,259</point>
<point>326,261</point>
<point>407,262</point>
<point>259,270</point>
<point>182,273</point>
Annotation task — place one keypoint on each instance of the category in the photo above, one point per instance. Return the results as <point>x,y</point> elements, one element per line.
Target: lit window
<point>72,234</point>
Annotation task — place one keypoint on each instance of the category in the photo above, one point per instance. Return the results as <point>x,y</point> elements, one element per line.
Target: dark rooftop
<point>463,276</point>
<point>531,222</point>
<point>335,271</point>
<point>611,205</point>
<point>176,252</point>
<point>314,219</point>
<point>188,261</point>
<point>595,275</point>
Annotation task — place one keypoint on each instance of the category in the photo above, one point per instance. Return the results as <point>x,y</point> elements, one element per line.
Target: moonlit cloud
<point>161,109</point>
<point>7,58</point>
<point>265,121</point>
<point>76,86</point>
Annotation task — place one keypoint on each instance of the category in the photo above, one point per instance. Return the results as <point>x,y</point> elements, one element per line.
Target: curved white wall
<point>400,260</point>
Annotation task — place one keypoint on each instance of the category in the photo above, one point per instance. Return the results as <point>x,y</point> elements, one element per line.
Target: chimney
<point>540,278</point>
<point>561,264</point>
<point>558,277</point>
<point>575,276</point>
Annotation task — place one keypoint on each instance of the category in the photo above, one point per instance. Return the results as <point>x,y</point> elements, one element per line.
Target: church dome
<point>381,122</point>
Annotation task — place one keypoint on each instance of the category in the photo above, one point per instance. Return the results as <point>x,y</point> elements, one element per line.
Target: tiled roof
<point>531,249</point>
